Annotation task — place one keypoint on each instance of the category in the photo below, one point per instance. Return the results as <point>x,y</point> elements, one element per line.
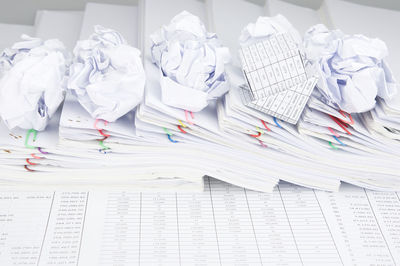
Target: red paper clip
<point>180,128</point>
<point>29,162</point>
<point>343,113</point>
<point>256,136</point>
<point>101,130</point>
<point>341,124</point>
<point>265,125</point>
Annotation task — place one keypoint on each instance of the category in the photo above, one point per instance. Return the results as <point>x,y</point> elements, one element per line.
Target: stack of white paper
<point>254,135</point>
<point>125,155</point>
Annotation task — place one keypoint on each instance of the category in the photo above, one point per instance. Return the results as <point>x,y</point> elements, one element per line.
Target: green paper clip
<point>28,134</point>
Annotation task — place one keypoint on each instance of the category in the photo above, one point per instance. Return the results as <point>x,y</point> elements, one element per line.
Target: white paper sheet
<point>224,225</point>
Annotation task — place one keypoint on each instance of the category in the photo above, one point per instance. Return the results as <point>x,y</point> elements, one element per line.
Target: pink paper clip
<point>262,144</point>
<point>187,116</point>
<point>35,156</point>
<point>333,132</point>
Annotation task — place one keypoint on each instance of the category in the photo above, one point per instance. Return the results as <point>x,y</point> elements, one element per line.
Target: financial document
<point>224,225</point>
<point>277,81</point>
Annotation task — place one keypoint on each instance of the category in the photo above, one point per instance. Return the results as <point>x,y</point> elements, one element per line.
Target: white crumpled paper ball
<point>107,75</point>
<point>266,27</point>
<point>32,82</point>
<point>352,69</point>
<point>192,63</point>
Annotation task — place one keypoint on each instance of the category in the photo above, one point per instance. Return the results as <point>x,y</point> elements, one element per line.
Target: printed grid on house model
<point>277,80</point>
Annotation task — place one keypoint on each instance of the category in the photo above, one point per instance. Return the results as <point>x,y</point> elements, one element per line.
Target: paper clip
<point>256,136</point>
<point>265,125</point>
<point>170,139</point>
<point>259,133</point>
<point>41,151</point>
<point>103,146</point>
<point>333,132</point>
<point>182,124</point>
<point>276,122</point>
<point>183,131</point>
<point>187,116</point>
<point>101,130</point>
<point>29,162</point>
<point>343,113</point>
<point>101,141</point>
<point>341,124</point>
<point>167,131</point>
<point>30,170</point>
<point>262,143</point>
<point>341,143</point>
<point>35,156</point>
<point>169,135</point>
<point>330,144</point>
<point>28,134</point>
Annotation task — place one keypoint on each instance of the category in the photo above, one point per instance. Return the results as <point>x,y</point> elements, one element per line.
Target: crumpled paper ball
<point>352,69</point>
<point>32,82</point>
<point>107,75</point>
<point>266,27</point>
<point>191,61</point>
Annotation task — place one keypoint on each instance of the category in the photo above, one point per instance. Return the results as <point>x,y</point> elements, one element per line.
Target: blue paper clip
<point>341,143</point>
<point>276,122</point>
<point>169,135</point>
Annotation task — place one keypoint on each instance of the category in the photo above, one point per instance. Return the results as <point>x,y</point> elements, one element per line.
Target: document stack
<point>149,100</point>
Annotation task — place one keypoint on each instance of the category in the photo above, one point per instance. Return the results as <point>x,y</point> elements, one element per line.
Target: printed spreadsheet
<point>224,225</point>
<point>277,82</point>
